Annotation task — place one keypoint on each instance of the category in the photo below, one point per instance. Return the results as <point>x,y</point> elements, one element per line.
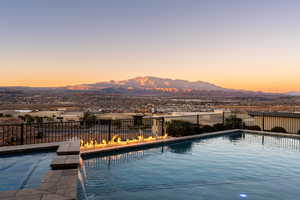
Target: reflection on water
<point>110,160</point>
<point>186,147</point>
<point>230,165</point>
<point>235,136</point>
<point>81,185</point>
<point>274,141</point>
<point>268,141</point>
<point>117,159</point>
<point>181,148</point>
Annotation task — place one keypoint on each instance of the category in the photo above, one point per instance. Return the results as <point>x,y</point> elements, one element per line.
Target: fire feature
<point>117,141</point>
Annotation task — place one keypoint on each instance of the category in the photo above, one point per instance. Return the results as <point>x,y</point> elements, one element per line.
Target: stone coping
<point>155,143</point>
<point>289,135</point>
<point>129,147</point>
<point>28,148</point>
<point>71,147</point>
<point>61,183</point>
<point>58,184</point>
<point>65,162</point>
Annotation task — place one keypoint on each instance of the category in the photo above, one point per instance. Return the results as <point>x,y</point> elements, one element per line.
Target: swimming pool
<point>24,171</point>
<point>236,166</point>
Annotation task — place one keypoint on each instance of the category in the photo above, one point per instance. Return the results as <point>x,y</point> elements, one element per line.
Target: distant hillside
<point>146,86</point>
<point>293,93</point>
<point>151,83</point>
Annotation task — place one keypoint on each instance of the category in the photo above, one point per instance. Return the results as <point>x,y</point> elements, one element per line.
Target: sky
<point>239,44</point>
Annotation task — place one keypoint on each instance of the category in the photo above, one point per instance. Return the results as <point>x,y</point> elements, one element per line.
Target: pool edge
<point>60,184</point>
<point>157,143</point>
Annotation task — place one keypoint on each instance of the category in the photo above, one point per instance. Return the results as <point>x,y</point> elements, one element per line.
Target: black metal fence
<point>277,121</point>
<point>264,121</point>
<point>34,133</point>
<point>99,130</point>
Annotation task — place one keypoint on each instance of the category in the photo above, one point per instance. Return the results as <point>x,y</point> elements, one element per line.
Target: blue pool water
<point>24,171</point>
<point>234,167</point>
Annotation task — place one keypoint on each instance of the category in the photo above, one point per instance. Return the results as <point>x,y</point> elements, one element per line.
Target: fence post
<point>109,130</point>
<point>223,118</point>
<point>22,133</point>
<point>162,126</point>
<point>263,122</point>
<point>198,120</point>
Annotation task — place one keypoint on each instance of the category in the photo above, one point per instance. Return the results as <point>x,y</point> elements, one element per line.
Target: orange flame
<point>117,141</point>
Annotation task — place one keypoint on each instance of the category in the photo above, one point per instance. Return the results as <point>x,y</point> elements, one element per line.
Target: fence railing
<point>99,130</point>
<point>288,122</point>
<point>34,133</point>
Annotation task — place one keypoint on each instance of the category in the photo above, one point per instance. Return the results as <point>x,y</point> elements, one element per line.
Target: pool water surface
<point>233,167</point>
<point>24,171</point>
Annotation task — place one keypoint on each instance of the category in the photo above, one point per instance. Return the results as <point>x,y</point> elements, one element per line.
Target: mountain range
<point>293,93</point>
<point>150,85</point>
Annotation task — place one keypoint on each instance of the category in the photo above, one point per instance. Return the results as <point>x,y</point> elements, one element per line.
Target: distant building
<point>70,116</point>
<point>10,120</point>
<point>23,111</point>
<point>61,109</point>
<point>116,116</point>
<point>268,120</point>
<point>46,113</point>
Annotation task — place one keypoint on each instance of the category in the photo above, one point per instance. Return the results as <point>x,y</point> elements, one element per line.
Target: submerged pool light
<point>243,195</point>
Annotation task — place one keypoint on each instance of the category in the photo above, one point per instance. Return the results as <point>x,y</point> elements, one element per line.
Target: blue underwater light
<point>243,195</point>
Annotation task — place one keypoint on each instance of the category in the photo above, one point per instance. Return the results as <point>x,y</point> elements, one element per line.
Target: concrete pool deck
<point>28,148</point>
<point>287,135</point>
<point>60,183</point>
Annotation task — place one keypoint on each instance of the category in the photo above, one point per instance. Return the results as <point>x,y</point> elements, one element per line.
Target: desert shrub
<point>40,135</point>
<point>255,128</point>
<point>219,127</point>
<point>196,129</point>
<point>88,116</point>
<point>38,119</point>
<point>177,128</point>
<point>28,119</point>
<point>234,122</point>
<point>207,128</point>
<point>88,119</point>
<point>278,130</point>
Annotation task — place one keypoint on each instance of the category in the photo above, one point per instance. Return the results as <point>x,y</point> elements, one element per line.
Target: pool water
<point>234,167</point>
<point>24,171</point>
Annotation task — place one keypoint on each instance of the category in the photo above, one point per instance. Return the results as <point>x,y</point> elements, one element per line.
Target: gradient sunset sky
<point>240,44</point>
